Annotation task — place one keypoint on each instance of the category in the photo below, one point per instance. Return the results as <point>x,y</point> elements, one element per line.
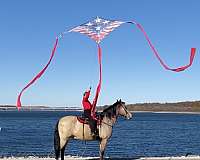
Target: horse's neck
<point>111,115</point>
<point>111,121</point>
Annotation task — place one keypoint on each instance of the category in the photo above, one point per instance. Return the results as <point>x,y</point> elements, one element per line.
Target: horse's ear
<point>117,100</point>
<point>120,100</point>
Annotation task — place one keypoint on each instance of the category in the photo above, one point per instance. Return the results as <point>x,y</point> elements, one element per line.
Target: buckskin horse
<point>70,127</point>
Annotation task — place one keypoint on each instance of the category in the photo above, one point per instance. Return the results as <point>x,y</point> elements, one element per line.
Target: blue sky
<point>130,70</point>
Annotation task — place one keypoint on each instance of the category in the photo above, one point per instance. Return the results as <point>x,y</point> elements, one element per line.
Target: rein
<point>107,124</point>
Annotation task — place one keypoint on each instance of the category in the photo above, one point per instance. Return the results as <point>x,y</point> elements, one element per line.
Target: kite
<point>97,30</point>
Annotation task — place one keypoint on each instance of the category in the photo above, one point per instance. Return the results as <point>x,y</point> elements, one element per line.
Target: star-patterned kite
<point>97,30</point>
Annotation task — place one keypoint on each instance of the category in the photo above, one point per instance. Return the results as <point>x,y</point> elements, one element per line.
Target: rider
<point>88,111</point>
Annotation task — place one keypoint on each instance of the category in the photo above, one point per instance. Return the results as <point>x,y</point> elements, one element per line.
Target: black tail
<point>57,142</point>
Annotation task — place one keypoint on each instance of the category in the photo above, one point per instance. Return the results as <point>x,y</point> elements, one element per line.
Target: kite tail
<point>98,89</point>
<point>182,68</point>
<point>37,76</point>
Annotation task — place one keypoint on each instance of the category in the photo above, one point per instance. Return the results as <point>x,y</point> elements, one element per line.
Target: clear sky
<point>130,70</point>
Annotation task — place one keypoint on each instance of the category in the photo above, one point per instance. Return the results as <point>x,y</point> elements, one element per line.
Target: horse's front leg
<point>102,147</point>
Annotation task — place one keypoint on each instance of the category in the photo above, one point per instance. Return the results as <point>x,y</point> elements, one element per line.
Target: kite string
<point>182,68</point>
<point>38,75</point>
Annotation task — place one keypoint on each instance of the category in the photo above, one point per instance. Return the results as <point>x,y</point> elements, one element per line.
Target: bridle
<point>125,109</point>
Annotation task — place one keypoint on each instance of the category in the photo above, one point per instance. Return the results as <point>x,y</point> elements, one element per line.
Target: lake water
<point>30,133</point>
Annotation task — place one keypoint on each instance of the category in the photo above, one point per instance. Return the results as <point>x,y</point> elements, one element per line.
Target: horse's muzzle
<point>129,116</point>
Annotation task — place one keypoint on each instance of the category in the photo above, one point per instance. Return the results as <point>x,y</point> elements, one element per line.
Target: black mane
<point>111,110</point>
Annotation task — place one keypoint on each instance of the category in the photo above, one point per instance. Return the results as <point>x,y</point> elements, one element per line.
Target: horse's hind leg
<point>57,142</point>
<point>63,153</point>
<point>63,149</point>
<point>102,147</point>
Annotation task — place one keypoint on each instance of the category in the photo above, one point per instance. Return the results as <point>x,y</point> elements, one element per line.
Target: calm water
<point>147,134</point>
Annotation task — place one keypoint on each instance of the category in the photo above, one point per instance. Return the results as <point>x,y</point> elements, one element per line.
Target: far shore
<point>165,112</point>
<point>188,107</point>
<point>80,110</point>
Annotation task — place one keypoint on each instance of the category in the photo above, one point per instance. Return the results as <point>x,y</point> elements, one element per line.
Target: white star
<point>89,24</point>
<point>97,20</point>
<point>98,28</point>
<point>106,22</point>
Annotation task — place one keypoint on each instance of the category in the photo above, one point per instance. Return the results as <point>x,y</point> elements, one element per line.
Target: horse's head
<point>122,109</point>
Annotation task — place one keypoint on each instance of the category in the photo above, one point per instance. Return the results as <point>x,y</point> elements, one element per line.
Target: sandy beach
<point>191,157</point>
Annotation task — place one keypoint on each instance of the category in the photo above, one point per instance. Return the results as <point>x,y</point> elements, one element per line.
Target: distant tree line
<point>163,107</point>
<point>151,107</point>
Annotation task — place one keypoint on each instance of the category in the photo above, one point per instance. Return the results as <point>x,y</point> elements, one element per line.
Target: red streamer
<point>98,89</point>
<point>182,68</point>
<point>37,76</point>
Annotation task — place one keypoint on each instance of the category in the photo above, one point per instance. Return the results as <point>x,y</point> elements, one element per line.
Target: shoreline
<point>190,157</point>
<point>71,110</point>
<point>186,107</point>
<point>165,112</point>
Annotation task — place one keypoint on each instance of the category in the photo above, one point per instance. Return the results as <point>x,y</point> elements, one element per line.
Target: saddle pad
<point>82,120</point>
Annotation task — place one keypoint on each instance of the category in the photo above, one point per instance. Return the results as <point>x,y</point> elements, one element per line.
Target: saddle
<point>85,120</point>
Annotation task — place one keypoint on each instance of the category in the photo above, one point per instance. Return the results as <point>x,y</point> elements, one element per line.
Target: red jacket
<point>85,102</point>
